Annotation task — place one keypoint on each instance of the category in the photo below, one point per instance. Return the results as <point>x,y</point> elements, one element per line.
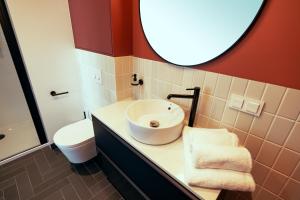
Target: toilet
<point>77,141</point>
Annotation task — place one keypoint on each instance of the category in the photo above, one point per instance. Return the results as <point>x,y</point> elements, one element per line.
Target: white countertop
<point>168,157</point>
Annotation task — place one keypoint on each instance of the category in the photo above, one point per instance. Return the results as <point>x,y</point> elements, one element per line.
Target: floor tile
<point>47,175</point>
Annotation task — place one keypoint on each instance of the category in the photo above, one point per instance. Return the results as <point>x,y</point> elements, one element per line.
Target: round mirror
<point>192,32</point>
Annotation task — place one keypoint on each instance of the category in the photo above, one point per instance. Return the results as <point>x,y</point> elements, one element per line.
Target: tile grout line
<point>30,183</point>
<point>294,171</point>
<point>213,96</point>
<point>283,187</point>
<point>269,130</point>
<point>61,194</point>
<point>227,100</point>
<point>89,189</point>
<point>276,115</point>
<point>76,192</point>
<point>286,176</point>
<point>235,123</point>
<point>73,187</point>
<point>106,186</point>
<point>15,180</point>
<point>278,145</point>
<point>277,195</point>
<point>283,146</point>
<point>298,118</point>
<point>201,93</point>
<point>254,117</point>
<point>289,135</point>
<point>48,162</point>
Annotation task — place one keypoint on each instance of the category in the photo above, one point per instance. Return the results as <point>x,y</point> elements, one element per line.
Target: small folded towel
<point>221,157</point>
<point>198,136</point>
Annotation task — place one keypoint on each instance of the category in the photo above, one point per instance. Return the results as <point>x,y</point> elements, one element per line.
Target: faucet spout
<point>195,98</point>
<point>180,96</point>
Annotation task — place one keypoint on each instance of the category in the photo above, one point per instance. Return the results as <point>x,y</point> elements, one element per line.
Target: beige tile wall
<point>273,138</point>
<point>123,73</point>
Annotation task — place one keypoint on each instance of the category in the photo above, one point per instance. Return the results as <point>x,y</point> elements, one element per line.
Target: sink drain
<point>154,123</point>
<point>2,136</point>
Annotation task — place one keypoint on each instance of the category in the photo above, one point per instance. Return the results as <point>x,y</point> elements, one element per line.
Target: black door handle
<point>53,93</point>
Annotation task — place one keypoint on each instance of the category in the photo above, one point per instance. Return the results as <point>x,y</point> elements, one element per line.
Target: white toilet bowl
<point>77,141</point>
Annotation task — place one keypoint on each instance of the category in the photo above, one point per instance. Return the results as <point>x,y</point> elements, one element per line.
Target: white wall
<point>45,36</point>
<point>13,106</point>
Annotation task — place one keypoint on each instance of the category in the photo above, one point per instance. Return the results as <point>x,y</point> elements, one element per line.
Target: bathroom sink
<point>155,121</point>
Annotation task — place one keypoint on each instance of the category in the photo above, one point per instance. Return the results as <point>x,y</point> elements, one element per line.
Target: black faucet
<point>195,98</point>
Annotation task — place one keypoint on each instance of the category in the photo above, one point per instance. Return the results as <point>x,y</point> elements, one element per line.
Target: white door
<point>44,32</point>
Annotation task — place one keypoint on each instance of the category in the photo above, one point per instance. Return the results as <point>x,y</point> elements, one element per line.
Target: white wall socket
<point>246,105</point>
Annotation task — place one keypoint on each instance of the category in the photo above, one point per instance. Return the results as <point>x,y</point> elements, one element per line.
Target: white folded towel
<point>213,178</point>
<point>209,136</point>
<point>221,157</point>
<point>221,179</point>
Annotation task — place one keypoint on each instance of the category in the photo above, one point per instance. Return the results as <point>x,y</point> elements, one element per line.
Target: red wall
<point>102,26</point>
<point>270,52</point>
<point>121,27</point>
<point>91,24</point>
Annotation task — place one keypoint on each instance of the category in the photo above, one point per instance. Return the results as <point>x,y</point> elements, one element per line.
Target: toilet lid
<point>74,134</point>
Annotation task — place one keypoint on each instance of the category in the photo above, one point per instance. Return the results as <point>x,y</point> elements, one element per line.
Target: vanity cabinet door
<point>148,177</point>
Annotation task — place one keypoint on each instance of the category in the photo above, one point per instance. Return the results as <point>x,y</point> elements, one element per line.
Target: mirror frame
<point>251,25</point>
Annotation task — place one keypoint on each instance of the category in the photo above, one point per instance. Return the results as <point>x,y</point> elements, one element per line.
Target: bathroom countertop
<point>168,157</point>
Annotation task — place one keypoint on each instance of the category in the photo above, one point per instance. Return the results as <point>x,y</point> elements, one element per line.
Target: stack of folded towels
<point>214,159</point>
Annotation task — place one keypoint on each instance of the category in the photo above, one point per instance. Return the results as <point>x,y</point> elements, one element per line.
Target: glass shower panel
<point>17,131</point>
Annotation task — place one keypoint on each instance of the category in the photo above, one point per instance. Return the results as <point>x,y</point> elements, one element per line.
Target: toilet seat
<point>74,135</point>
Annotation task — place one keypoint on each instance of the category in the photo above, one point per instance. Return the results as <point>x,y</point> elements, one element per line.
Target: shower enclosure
<point>20,124</point>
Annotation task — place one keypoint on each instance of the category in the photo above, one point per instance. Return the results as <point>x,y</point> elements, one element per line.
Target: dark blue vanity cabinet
<point>134,175</point>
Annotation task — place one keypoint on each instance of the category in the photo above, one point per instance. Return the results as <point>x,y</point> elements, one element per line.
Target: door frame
<point>16,55</point>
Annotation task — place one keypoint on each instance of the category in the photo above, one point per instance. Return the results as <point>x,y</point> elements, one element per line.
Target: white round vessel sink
<point>155,121</point>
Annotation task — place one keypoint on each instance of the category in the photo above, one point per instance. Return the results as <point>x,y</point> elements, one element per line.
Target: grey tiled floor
<point>46,174</point>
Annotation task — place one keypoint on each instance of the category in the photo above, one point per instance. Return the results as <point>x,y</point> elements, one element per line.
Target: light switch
<point>246,105</point>
<point>98,76</point>
<point>251,106</point>
<point>236,101</point>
